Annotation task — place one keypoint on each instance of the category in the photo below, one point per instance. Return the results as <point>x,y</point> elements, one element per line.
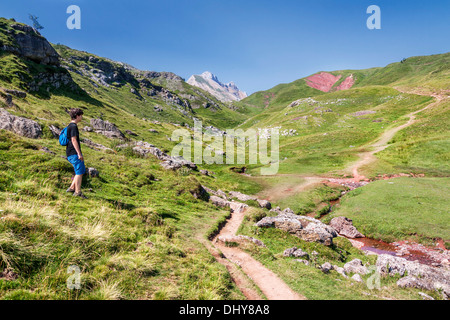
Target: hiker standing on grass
<point>73,152</point>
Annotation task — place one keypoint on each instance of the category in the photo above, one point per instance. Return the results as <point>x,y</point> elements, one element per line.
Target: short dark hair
<point>74,113</point>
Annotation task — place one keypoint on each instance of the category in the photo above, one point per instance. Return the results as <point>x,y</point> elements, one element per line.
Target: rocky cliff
<point>27,42</point>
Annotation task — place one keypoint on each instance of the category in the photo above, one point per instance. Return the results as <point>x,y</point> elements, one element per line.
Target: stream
<point>405,249</point>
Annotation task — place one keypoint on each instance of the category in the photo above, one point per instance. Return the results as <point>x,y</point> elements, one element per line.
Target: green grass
<point>134,238</point>
<point>424,147</point>
<point>401,208</point>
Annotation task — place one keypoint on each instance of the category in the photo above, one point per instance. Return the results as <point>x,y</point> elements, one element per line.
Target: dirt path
<point>382,142</point>
<point>267,281</point>
<point>281,191</point>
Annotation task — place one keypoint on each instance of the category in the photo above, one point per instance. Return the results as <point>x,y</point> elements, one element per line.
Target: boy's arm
<point>77,148</point>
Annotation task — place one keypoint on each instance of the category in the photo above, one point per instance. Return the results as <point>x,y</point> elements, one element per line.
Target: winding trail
<point>268,282</point>
<point>382,142</point>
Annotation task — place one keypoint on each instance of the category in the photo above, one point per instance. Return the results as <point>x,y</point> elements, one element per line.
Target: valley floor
<point>283,187</point>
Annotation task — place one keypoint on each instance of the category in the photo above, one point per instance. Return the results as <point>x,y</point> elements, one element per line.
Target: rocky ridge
<point>210,83</point>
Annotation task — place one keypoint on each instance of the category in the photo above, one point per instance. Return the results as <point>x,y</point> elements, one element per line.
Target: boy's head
<point>75,114</point>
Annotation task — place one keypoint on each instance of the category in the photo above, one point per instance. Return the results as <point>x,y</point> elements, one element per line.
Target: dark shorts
<point>78,165</point>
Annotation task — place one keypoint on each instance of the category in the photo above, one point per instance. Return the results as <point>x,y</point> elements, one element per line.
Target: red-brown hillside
<point>325,81</point>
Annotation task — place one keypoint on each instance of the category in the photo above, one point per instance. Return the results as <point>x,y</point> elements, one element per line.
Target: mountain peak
<point>224,92</point>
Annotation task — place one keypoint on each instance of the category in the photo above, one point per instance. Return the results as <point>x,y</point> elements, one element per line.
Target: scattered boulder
<point>425,296</point>
<point>355,266</point>
<point>237,206</point>
<point>88,129</point>
<point>95,146</point>
<point>55,131</point>
<point>414,282</point>
<point>294,252</point>
<point>306,228</point>
<point>198,192</point>
<point>17,93</point>
<point>345,227</point>
<point>169,162</point>
<point>305,262</point>
<point>93,173</point>
<point>8,99</point>
<point>218,193</point>
<point>106,128</point>
<point>47,150</point>
<point>21,126</point>
<point>357,277</point>
<point>131,133</point>
<point>264,204</point>
<point>326,267</point>
<point>219,201</point>
<point>340,270</point>
<point>8,274</point>
<point>241,196</point>
<point>419,275</point>
<point>153,131</point>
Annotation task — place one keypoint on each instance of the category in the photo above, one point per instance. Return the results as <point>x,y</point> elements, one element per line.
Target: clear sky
<point>255,43</point>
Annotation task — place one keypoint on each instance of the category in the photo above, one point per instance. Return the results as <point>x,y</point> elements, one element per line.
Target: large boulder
<point>306,228</point>
<point>21,126</point>
<point>31,45</point>
<point>106,128</point>
<point>345,227</point>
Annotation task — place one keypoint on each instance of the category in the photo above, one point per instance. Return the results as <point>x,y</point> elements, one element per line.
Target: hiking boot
<point>79,194</point>
<point>70,190</point>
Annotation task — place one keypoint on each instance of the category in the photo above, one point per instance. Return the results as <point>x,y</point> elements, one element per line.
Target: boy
<point>73,152</point>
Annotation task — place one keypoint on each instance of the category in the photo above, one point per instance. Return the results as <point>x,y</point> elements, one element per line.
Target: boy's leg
<point>77,182</point>
<point>72,186</point>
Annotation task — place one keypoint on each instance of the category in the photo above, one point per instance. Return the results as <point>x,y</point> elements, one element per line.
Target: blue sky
<point>255,43</point>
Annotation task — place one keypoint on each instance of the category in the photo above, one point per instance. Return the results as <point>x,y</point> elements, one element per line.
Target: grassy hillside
<point>429,72</point>
<point>332,128</point>
<point>136,237</point>
<point>139,234</point>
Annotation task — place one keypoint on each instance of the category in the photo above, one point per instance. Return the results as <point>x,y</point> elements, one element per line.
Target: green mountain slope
<point>332,128</point>
<point>105,86</point>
